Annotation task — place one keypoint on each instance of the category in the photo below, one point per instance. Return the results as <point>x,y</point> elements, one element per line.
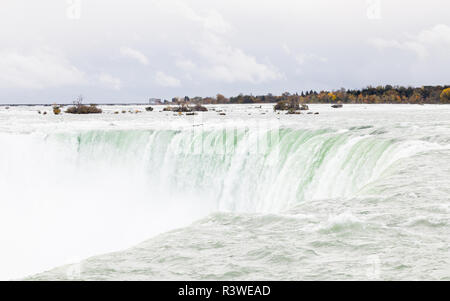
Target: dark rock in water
<point>83,109</point>
<point>336,106</point>
<point>149,109</point>
<point>45,113</point>
<point>181,108</point>
<point>290,104</point>
<point>293,112</point>
<point>191,113</point>
<point>316,113</point>
<point>199,108</point>
<point>284,105</point>
<point>222,114</point>
<point>309,113</point>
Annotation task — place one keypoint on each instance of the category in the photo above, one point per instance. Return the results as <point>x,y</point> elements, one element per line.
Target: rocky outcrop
<point>293,112</point>
<point>284,105</point>
<point>199,108</point>
<point>82,109</point>
<point>290,105</point>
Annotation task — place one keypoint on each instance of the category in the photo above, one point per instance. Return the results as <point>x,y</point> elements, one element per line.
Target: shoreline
<point>215,104</point>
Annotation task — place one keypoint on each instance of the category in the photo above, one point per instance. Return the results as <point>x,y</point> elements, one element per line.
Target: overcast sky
<point>130,50</point>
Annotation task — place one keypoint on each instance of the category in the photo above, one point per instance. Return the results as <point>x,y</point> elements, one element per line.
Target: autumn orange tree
<point>332,96</point>
<point>445,95</point>
<point>220,98</point>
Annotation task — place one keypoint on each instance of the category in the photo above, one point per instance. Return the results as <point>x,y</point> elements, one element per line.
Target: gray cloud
<point>131,50</point>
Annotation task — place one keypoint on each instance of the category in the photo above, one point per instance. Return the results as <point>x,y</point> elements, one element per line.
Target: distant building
<point>177,99</point>
<point>154,101</point>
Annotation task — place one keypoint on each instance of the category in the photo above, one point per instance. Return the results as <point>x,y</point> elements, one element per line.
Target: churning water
<point>361,192</point>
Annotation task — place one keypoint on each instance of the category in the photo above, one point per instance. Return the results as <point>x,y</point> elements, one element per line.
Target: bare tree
<point>79,101</point>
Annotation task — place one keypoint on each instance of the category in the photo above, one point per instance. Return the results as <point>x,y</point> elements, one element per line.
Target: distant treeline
<point>380,94</point>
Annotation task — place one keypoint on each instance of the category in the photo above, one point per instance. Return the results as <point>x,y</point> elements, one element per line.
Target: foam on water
<point>76,186</point>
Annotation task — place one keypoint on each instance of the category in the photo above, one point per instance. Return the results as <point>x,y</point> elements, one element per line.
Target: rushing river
<point>361,192</point>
